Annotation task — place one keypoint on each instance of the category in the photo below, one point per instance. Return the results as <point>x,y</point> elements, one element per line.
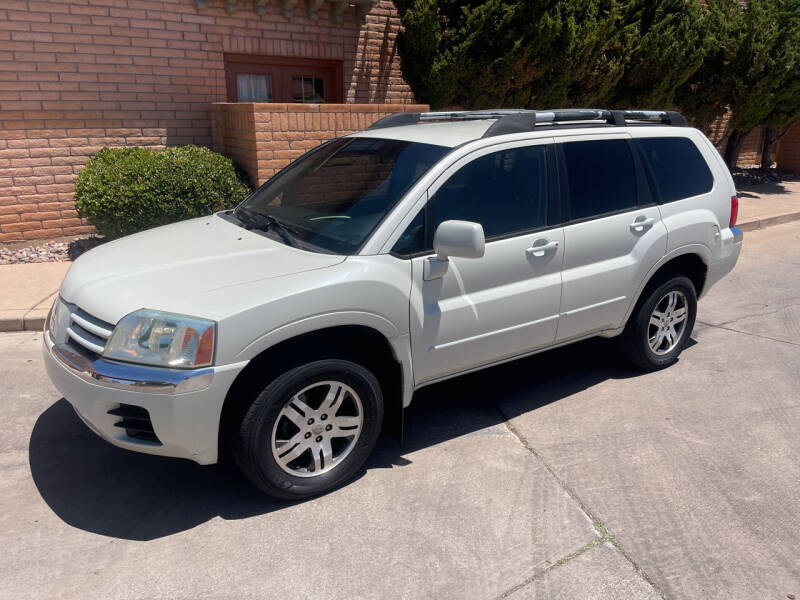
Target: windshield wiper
<point>260,221</point>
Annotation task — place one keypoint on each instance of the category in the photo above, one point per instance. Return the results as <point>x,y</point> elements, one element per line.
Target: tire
<point>290,444</point>
<point>656,344</point>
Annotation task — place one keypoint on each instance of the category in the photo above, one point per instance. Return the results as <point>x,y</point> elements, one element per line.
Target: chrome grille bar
<point>88,332</point>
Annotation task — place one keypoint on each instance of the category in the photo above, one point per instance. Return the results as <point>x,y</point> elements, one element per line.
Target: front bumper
<point>184,405</point>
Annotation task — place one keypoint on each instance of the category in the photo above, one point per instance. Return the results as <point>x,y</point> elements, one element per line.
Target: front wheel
<point>310,429</point>
<point>661,324</point>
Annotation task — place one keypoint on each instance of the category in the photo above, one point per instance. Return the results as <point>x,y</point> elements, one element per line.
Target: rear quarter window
<point>676,166</point>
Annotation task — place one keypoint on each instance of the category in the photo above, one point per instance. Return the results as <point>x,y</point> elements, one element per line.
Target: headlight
<point>58,319</point>
<point>162,339</point>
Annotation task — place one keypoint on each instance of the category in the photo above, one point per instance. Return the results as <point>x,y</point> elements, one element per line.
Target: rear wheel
<point>310,429</point>
<point>661,324</point>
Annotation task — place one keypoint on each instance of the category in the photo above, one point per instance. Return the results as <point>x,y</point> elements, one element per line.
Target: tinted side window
<point>678,168</point>
<point>601,177</point>
<point>505,191</point>
<point>413,238</point>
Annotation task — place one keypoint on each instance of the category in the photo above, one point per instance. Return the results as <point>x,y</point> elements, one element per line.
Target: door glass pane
<point>308,89</point>
<point>319,90</point>
<point>253,88</point>
<point>504,191</point>
<point>297,89</point>
<point>600,176</point>
<point>413,238</point>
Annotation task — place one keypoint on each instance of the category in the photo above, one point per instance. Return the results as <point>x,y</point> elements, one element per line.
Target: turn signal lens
<point>734,210</point>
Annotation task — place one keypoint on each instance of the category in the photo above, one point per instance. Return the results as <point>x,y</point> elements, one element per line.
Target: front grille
<point>136,422</point>
<point>88,332</point>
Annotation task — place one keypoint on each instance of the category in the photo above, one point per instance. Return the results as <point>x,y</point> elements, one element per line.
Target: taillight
<point>734,210</point>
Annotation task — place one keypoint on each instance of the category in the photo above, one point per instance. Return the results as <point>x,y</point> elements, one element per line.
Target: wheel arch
<point>691,261</point>
<point>385,358</point>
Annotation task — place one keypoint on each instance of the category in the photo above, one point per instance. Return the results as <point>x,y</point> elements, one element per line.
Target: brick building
<point>259,80</point>
<point>78,75</point>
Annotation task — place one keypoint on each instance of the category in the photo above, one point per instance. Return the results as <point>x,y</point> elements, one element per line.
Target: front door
<point>507,302</point>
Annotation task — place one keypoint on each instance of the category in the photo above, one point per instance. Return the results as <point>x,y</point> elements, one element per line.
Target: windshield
<point>333,197</point>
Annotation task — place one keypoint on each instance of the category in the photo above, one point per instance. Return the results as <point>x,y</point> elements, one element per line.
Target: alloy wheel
<point>667,322</point>
<point>317,428</point>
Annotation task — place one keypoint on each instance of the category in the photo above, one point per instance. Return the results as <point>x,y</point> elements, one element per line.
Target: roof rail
<point>518,123</point>
<point>513,120</point>
<point>412,118</point>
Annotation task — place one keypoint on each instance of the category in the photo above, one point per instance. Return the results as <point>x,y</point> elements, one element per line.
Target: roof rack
<point>412,118</point>
<point>520,120</point>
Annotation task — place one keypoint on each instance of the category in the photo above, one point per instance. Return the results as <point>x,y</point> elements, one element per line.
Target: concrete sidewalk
<point>768,204</point>
<point>27,290</point>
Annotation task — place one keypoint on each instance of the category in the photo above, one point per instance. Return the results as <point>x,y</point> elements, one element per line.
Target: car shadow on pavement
<point>102,489</point>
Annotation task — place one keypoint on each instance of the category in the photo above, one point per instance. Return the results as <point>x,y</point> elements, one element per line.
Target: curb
<point>768,222</point>
<point>32,323</point>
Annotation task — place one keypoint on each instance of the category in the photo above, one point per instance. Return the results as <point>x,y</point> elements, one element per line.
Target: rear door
<point>613,232</point>
<point>505,303</point>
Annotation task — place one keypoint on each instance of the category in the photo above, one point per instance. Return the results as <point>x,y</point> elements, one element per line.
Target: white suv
<point>292,329</point>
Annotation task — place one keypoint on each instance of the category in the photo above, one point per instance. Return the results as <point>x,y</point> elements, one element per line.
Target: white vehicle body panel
<point>508,303</point>
<point>604,262</point>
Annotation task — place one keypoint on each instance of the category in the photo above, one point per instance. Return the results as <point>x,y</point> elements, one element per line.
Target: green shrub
<point>125,190</point>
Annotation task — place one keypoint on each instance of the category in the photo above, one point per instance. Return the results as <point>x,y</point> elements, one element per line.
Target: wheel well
<point>360,344</point>
<point>690,265</point>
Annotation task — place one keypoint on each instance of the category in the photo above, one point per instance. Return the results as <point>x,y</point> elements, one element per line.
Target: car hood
<point>172,268</point>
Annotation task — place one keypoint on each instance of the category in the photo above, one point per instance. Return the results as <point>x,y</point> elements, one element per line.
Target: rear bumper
<point>731,247</point>
<point>184,406</point>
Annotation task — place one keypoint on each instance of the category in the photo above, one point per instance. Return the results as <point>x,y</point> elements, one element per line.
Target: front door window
<point>252,78</point>
<point>308,89</point>
<point>253,88</point>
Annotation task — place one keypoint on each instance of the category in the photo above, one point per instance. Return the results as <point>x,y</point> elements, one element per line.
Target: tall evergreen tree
<point>549,53</point>
<point>670,46</point>
<point>748,70</point>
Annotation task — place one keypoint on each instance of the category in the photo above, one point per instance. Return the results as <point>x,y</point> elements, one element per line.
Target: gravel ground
<point>753,175</point>
<point>46,252</point>
<point>60,250</point>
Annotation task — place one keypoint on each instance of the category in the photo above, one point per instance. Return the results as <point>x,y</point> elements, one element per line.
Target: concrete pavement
<point>566,475</point>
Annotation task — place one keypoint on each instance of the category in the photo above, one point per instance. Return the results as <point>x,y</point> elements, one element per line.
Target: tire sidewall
<point>683,285</point>
<point>255,436</point>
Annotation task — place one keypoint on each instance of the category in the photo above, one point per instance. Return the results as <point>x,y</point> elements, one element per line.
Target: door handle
<point>642,223</point>
<point>542,249</point>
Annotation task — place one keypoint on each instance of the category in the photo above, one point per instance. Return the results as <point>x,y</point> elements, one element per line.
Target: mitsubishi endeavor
<point>291,330</point>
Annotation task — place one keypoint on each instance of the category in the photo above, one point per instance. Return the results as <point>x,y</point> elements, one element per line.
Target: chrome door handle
<point>541,250</point>
<point>641,224</point>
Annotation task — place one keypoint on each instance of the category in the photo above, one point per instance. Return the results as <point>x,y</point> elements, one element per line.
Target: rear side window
<point>601,177</point>
<point>677,167</point>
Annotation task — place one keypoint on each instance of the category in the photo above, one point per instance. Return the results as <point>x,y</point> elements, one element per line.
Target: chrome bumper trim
<point>132,378</point>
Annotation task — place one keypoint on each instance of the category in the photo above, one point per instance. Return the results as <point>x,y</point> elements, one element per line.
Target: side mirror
<point>460,239</point>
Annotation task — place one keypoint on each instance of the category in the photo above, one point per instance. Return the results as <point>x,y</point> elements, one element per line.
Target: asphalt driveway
<point>566,475</point>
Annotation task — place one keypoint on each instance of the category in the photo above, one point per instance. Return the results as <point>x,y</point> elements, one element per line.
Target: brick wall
<point>750,153</point>
<point>789,150</point>
<point>264,138</point>
<point>78,75</point>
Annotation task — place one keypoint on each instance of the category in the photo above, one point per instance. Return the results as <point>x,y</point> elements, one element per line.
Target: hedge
<point>125,190</point>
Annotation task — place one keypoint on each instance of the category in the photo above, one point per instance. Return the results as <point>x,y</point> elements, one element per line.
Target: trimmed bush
<point>125,190</point>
